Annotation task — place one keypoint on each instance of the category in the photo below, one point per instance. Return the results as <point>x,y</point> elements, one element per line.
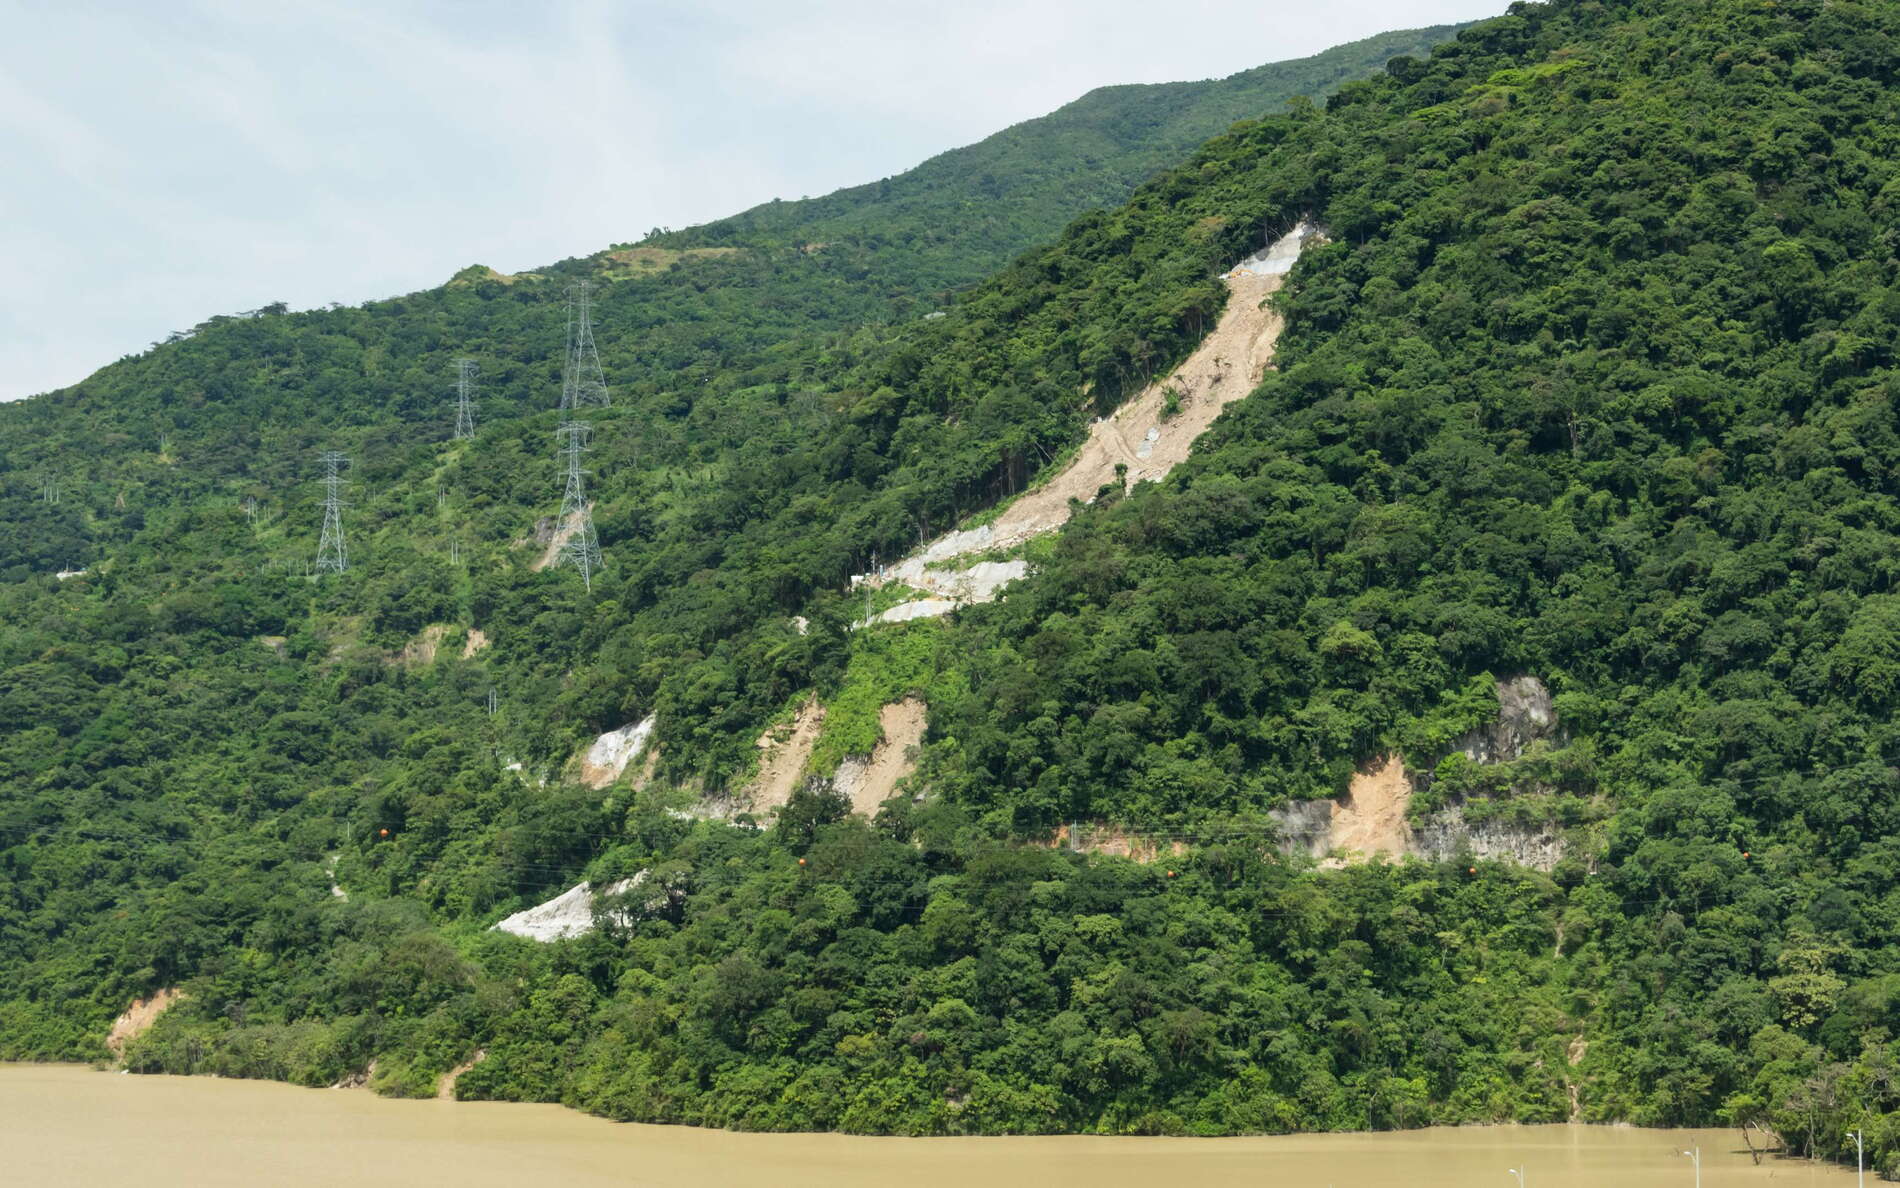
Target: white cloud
<point>168,162</point>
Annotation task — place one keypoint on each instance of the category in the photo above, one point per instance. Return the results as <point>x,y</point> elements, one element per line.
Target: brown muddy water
<point>68,1125</point>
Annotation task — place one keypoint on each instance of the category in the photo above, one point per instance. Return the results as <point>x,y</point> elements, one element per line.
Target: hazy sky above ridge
<point>167,162</point>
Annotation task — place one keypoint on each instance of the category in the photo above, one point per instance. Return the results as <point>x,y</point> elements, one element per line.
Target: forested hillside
<point>1594,382</point>
<point>954,219</point>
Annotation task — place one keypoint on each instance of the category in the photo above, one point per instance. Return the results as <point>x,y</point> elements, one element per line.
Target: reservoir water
<point>68,1125</point>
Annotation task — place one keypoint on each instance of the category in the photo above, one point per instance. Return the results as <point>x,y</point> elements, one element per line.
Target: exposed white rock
<point>612,751</point>
<point>63,574</point>
<point>1278,257</point>
<point>571,913</point>
<point>950,588</point>
<point>1446,834</point>
<point>1525,714</point>
<point>921,608</point>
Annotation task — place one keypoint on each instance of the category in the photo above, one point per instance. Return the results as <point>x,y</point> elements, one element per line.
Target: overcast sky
<point>163,162</point>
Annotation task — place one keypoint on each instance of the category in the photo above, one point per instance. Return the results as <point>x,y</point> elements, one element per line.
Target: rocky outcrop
<point>1306,826</point>
<point>1373,819</point>
<point>610,754</point>
<point>1525,716</point>
<point>1446,834</point>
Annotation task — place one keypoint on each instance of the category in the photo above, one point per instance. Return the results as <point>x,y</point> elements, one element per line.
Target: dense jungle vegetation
<point>1595,380</point>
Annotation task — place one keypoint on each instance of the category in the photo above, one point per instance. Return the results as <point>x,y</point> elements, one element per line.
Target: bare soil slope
<point>783,753</point>
<point>1142,435</point>
<point>138,1018</point>
<point>1370,820</point>
<point>869,783</point>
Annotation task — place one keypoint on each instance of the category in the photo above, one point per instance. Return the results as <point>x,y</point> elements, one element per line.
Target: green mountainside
<point>1593,381</point>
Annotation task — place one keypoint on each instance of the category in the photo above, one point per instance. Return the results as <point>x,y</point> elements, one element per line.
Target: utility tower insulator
<point>583,385</point>
<point>465,373</point>
<point>581,549</point>
<point>332,556</point>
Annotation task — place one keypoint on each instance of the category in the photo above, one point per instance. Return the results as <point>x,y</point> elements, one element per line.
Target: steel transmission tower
<point>331,555</point>
<point>583,384</point>
<point>465,372</point>
<point>582,547</point>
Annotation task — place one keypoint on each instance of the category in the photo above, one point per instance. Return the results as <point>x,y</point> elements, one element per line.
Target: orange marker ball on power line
<point>383,832</point>
<point>1471,870</point>
<point>801,862</point>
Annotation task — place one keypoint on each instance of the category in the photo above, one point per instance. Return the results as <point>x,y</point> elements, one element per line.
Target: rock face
<point>1524,716</point>
<point>1372,819</point>
<point>1306,826</point>
<point>1446,834</point>
<point>612,751</point>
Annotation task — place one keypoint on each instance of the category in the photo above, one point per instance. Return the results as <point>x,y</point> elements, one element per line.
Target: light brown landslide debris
<point>138,1019</point>
<point>868,783</point>
<point>783,753</point>
<point>1149,435</point>
<point>420,651</point>
<point>1370,820</point>
<point>445,1088</point>
<point>557,540</point>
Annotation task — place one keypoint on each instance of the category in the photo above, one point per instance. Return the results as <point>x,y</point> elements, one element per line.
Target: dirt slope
<point>1141,435</point>
<point>868,783</point>
<point>563,532</point>
<point>1370,820</point>
<point>783,753</point>
<point>138,1018</point>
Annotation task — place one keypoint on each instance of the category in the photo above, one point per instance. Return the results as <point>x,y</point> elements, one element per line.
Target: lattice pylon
<point>332,553</point>
<point>583,384</point>
<point>465,372</point>
<point>581,549</point>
